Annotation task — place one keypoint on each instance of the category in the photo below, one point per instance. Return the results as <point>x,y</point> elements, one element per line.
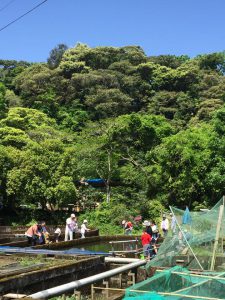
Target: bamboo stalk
<point>218,228</point>
<point>178,295</point>
<point>196,275</point>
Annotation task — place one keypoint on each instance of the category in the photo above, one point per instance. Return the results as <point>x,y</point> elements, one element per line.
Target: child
<point>146,240</point>
<point>84,229</point>
<point>57,234</point>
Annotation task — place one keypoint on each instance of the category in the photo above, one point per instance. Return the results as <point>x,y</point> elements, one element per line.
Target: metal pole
<point>186,239</point>
<point>85,281</point>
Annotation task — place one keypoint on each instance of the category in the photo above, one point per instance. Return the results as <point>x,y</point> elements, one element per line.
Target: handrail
<point>61,289</point>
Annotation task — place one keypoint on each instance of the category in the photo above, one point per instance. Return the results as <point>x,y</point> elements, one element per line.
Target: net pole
<point>218,228</point>
<point>222,225</point>
<point>186,239</point>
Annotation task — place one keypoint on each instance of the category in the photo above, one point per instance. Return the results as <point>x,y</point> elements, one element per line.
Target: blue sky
<point>160,27</point>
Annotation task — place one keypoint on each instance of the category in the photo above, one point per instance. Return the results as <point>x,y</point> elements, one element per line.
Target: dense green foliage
<point>152,127</point>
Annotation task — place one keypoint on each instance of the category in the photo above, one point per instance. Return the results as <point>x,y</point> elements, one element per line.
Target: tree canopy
<point>151,127</point>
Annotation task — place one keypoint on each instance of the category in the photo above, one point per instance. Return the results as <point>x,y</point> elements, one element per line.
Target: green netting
<point>197,242</point>
<point>178,283</point>
<point>194,242</point>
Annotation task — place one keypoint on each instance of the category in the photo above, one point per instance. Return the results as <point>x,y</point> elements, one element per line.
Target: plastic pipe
<point>61,289</point>
<point>121,260</point>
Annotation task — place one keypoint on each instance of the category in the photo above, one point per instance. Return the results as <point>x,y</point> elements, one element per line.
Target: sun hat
<point>146,223</point>
<point>85,221</point>
<point>72,216</point>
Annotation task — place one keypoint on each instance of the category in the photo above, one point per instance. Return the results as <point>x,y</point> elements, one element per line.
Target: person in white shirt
<point>84,229</point>
<point>165,225</point>
<point>71,224</point>
<point>57,234</point>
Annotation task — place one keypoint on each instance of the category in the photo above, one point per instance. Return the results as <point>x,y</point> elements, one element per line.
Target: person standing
<point>70,227</point>
<point>165,225</point>
<point>148,227</point>
<point>146,240</point>
<point>57,234</point>
<point>84,229</point>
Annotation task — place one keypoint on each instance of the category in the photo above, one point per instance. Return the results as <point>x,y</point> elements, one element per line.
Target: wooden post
<point>218,228</point>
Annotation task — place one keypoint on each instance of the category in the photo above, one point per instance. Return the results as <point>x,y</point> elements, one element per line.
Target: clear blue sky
<point>160,27</point>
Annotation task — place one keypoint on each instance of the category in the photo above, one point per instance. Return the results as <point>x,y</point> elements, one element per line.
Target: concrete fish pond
<point>117,244</point>
<point>26,270</point>
<point>27,274</point>
<point>14,235</point>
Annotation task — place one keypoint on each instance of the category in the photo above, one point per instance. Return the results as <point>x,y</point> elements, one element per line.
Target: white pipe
<point>121,260</point>
<point>127,241</point>
<point>61,289</point>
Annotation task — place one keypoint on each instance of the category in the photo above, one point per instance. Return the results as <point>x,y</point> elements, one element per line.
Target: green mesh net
<point>197,240</point>
<point>179,283</point>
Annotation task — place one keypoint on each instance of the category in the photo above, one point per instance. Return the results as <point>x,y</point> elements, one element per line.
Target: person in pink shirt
<point>71,226</point>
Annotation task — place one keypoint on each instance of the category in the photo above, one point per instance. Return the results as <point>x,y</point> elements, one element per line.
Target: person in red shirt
<point>128,228</point>
<point>146,240</point>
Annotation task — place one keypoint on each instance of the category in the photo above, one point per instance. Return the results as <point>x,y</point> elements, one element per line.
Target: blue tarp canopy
<point>96,180</point>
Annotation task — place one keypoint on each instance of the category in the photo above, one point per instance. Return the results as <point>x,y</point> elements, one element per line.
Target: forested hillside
<point>151,127</point>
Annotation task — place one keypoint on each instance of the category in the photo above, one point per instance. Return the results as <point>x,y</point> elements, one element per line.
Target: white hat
<point>85,221</point>
<point>123,222</point>
<point>146,223</point>
<point>72,216</point>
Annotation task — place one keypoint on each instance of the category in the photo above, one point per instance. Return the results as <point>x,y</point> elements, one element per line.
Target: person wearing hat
<point>165,225</point>
<point>71,224</point>
<point>84,229</point>
<point>148,227</point>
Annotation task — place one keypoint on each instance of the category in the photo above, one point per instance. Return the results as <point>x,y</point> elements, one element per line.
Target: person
<point>148,227</point>
<point>70,227</point>
<point>33,234</point>
<point>128,228</point>
<point>165,225</point>
<point>57,234</point>
<point>173,223</point>
<point>155,236</point>
<point>123,225</point>
<point>145,241</point>
<point>45,236</point>
<point>84,229</point>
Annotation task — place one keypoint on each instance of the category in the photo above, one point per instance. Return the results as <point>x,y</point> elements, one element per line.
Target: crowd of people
<point>38,234</point>
<point>151,234</point>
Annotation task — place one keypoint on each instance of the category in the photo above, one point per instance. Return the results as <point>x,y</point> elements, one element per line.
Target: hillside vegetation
<point>151,127</point>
